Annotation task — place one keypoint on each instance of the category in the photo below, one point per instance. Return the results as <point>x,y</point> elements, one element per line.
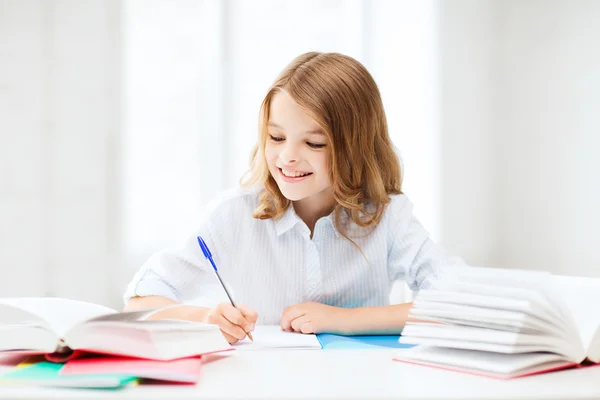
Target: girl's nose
<point>288,155</point>
<point>287,162</point>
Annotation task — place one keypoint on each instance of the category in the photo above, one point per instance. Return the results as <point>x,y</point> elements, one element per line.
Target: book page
<point>483,338</point>
<point>529,292</point>
<point>272,337</point>
<point>11,316</point>
<point>59,315</point>
<point>127,316</point>
<point>474,315</point>
<point>581,296</point>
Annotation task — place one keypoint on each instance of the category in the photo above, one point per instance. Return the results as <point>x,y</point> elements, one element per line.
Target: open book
<point>58,327</point>
<point>504,323</point>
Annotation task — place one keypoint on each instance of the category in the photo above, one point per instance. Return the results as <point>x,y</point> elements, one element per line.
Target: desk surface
<point>328,374</point>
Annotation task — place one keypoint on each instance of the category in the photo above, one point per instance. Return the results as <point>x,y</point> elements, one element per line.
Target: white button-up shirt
<point>271,264</point>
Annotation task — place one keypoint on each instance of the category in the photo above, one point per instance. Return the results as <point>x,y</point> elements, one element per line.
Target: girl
<point>320,230</point>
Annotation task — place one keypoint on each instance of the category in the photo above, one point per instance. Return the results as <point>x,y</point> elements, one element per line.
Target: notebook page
<point>59,314</point>
<point>272,337</point>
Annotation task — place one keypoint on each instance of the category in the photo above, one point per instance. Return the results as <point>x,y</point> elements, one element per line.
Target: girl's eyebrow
<point>316,131</point>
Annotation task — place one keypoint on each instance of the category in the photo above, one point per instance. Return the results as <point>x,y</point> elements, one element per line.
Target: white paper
<point>59,314</point>
<point>478,360</point>
<point>272,337</point>
<point>581,296</point>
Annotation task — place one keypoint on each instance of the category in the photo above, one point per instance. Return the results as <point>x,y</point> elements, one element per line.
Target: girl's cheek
<point>323,164</point>
<point>270,154</point>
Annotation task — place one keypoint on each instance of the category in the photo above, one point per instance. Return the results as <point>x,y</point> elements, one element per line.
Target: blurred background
<point>120,120</point>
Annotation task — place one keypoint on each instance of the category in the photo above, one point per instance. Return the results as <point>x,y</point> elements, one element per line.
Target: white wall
<point>546,135</point>
<point>467,51</point>
<point>520,126</point>
<point>171,130</point>
<point>59,82</point>
<point>23,118</point>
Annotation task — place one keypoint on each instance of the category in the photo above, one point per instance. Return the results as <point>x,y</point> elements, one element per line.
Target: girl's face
<point>296,151</point>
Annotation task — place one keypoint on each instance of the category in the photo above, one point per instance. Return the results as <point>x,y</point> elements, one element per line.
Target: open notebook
<point>272,337</point>
<point>58,327</point>
<point>504,323</point>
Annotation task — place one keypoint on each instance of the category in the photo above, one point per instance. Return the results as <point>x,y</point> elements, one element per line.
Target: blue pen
<point>208,256</point>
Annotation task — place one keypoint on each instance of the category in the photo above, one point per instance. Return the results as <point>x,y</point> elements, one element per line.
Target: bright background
<point>119,120</point>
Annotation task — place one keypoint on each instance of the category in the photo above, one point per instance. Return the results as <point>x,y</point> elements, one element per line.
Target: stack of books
<point>504,323</point>
<point>76,344</point>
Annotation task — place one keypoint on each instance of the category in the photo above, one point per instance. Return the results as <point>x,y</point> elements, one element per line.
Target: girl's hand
<point>235,323</point>
<point>315,318</point>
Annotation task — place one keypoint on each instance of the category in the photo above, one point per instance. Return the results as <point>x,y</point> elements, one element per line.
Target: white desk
<point>329,374</point>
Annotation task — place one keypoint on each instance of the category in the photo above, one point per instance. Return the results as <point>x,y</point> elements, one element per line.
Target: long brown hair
<point>342,97</point>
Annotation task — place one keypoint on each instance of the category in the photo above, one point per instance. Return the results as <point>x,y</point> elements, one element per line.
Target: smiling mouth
<point>294,174</point>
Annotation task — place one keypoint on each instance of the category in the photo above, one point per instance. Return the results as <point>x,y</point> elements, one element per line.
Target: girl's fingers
<point>229,338</point>
<point>308,327</point>
<point>230,328</point>
<point>299,322</point>
<point>234,315</point>
<point>290,314</point>
<point>249,314</point>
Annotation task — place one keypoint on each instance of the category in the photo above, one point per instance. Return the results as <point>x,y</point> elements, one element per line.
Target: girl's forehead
<point>312,131</point>
<point>286,114</point>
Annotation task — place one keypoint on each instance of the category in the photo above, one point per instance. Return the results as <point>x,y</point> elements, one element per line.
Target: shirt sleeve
<point>184,275</point>
<point>413,256</point>
<point>176,274</point>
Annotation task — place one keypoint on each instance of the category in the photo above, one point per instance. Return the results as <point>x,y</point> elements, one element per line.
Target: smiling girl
<point>320,229</point>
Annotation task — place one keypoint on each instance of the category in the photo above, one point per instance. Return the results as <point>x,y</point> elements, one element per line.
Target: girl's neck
<point>312,208</point>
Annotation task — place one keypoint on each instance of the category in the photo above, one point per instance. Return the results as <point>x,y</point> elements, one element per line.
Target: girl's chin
<point>291,196</point>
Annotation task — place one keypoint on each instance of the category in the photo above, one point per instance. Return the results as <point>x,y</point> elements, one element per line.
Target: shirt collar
<point>329,219</point>
<point>289,219</point>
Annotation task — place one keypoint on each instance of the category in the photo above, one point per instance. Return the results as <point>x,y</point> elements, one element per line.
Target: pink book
<point>505,376</point>
<point>183,370</point>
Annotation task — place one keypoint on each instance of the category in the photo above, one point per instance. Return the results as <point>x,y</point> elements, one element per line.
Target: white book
<point>59,327</point>
<point>504,323</point>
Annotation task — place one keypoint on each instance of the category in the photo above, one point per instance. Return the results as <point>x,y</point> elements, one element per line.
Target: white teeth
<point>293,174</point>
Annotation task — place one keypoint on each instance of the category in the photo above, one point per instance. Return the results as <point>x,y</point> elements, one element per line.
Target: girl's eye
<point>276,139</point>
<point>316,145</point>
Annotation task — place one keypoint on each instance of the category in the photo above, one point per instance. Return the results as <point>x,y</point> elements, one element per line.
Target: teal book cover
<point>48,374</point>
<point>331,341</point>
